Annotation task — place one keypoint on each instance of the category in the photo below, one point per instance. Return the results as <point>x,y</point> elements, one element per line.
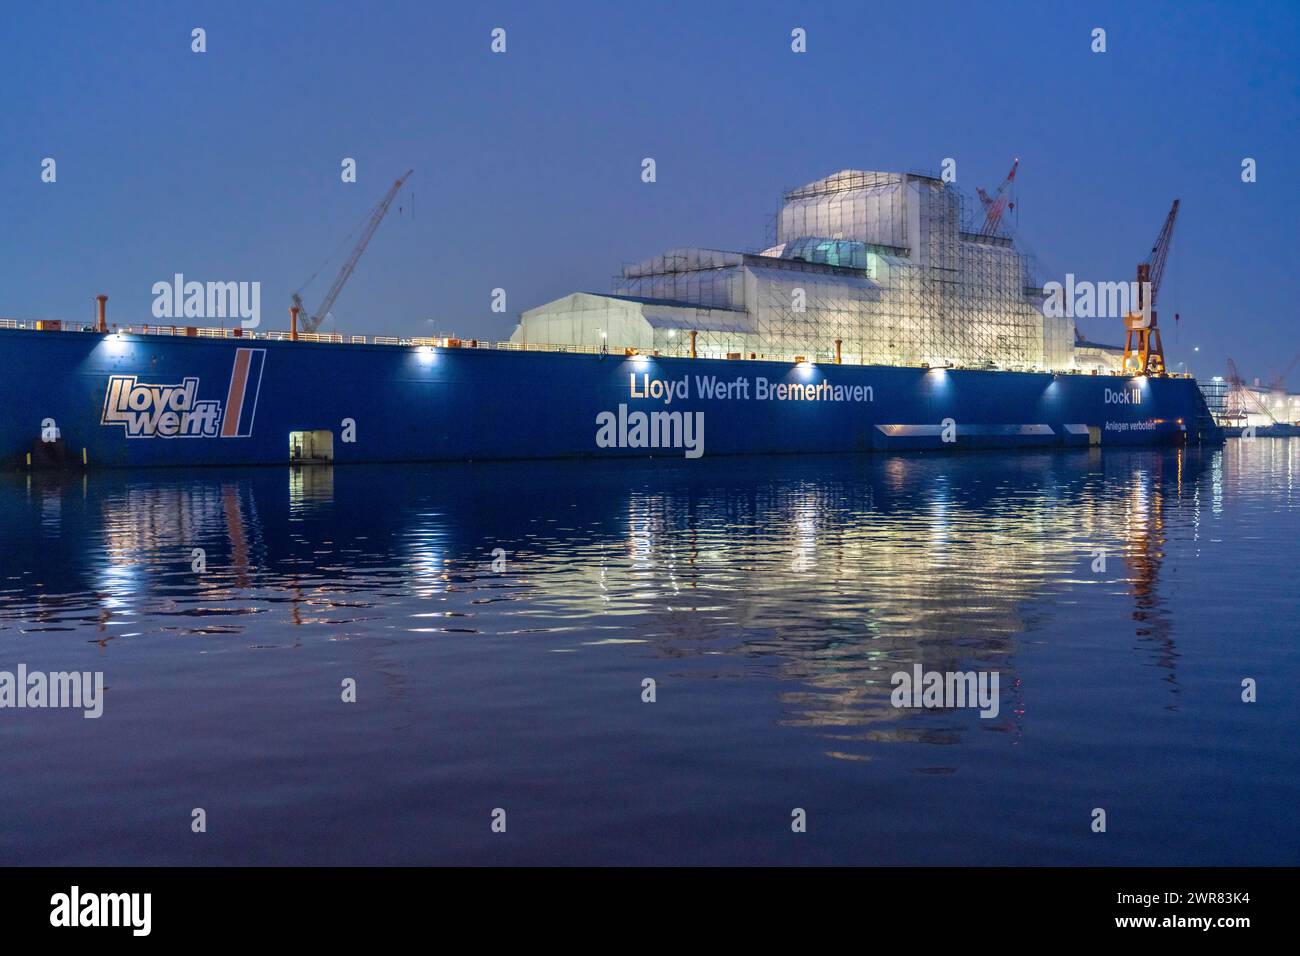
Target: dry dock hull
<point>138,401</point>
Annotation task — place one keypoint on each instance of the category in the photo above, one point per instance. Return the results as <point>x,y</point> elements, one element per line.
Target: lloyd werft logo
<point>146,410</point>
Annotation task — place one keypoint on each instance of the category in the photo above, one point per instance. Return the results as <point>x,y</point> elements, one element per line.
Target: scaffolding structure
<point>867,267</point>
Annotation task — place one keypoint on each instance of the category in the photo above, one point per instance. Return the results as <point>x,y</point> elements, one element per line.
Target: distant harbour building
<point>868,267</point>
<point>1236,404</point>
<point>1280,407</point>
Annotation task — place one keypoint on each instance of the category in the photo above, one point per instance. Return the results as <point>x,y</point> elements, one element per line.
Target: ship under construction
<point>880,318</point>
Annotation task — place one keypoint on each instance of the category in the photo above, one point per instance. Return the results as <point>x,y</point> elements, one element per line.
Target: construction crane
<point>1242,401</point>
<point>999,203</point>
<point>302,316</point>
<point>1143,353</point>
<point>1279,381</point>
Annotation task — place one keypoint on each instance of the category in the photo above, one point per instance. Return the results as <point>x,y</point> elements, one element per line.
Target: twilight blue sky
<point>225,165</point>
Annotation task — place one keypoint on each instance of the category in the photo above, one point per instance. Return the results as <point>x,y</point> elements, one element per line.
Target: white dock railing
<point>440,341</point>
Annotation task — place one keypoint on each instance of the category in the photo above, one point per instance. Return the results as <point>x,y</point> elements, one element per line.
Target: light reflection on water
<point>771,599</point>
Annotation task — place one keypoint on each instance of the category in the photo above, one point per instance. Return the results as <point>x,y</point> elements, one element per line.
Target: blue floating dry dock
<point>130,400</point>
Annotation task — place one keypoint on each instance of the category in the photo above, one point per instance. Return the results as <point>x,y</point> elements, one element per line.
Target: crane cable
<point>1173,281</point>
<point>333,255</point>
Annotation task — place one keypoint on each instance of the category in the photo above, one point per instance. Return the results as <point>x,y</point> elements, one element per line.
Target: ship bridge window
<point>313,446</point>
<point>831,252</point>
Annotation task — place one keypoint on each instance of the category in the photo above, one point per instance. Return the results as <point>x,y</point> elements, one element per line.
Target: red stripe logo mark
<point>235,397</point>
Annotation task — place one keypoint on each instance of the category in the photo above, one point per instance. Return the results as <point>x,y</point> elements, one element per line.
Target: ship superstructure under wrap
<point>877,262</point>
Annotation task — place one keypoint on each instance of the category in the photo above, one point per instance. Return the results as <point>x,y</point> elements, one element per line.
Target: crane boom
<point>1160,252</point>
<point>1279,381</point>
<point>310,322</point>
<point>998,203</point>
<point>1241,401</point>
<point>1143,352</point>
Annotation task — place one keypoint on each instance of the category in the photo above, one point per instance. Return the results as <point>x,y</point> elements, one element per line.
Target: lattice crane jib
<point>309,321</point>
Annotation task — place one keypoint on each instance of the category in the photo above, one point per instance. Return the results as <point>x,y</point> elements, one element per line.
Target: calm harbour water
<point>769,599</point>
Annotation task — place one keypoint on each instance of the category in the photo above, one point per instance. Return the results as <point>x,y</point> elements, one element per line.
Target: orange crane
<point>1142,348</point>
<point>302,316</point>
